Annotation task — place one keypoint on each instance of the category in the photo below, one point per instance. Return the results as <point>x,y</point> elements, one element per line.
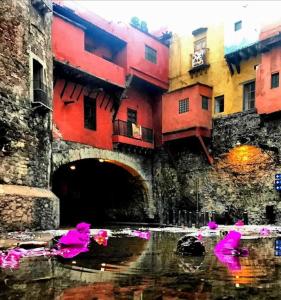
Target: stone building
<point>26,71</point>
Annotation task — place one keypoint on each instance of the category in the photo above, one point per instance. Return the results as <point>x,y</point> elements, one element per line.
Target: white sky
<point>177,15</point>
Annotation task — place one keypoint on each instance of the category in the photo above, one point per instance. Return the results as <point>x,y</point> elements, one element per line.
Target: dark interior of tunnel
<point>98,192</point>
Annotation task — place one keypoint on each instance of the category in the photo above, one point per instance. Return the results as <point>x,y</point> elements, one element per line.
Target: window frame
<point>238,25</point>
<point>150,54</point>
<point>183,106</point>
<point>130,112</point>
<point>218,98</point>
<point>273,86</point>
<point>87,122</point>
<point>245,92</point>
<point>203,102</point>
<point>200,42</point>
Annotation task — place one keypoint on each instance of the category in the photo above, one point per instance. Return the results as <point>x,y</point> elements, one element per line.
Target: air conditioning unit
<point>198,58</point>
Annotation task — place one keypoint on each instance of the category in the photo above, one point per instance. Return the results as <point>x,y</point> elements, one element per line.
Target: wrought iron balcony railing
<point>199,58</point>
<point>132,130</point>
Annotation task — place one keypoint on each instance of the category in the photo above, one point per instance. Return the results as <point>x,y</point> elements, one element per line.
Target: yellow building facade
<point>216,73</point>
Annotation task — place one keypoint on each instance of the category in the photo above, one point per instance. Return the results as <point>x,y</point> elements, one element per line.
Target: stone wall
<point>23,207</point>
<point>138,166</point>
<point>24,130</point>
<point>25,135</point>
<point>227,185</point>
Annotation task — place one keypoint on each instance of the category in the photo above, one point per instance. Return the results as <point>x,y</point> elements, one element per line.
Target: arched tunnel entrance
<point>98,192</point>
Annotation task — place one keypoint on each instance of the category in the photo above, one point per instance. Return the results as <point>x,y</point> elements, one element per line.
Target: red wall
<point>268,99</point>
<point>195,117</point>
<point>68,46</point>
<point>69,119</point>
<point>136,41</point>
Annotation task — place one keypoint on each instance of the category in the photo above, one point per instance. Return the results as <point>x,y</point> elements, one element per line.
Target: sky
<point>177,15</point>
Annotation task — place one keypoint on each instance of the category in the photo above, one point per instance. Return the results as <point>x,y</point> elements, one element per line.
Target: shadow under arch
<point>100,191</point>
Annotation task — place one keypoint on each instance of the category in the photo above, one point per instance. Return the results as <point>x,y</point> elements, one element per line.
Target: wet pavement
<point>135,268</point>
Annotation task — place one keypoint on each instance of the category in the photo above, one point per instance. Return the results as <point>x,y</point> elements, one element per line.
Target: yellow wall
<point>218,75</point>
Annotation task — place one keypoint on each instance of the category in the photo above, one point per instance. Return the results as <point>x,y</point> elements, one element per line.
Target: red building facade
<point>109,80</point>
<point>268,88</point>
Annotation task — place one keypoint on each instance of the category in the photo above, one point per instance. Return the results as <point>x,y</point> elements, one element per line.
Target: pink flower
<point>200,236</point>
<point>212,225</point>
<point>101,237</point>
<point>142,234</point>
<point>227,250</point>
<point>239,223</point>
<point>265,231</point>
<point>75,241</point>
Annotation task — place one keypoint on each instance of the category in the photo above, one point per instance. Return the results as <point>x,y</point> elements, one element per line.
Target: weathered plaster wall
<point>224,185</point>
<point>217,75</point>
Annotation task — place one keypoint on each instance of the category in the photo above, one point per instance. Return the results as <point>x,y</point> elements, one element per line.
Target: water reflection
<point>135,268</point>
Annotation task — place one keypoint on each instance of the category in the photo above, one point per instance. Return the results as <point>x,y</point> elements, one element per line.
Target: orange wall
<point>69,119</point>
<point>140,102</point>
<point>268,99</point>
<point>68,46</point>
<point>195,117</point>
<point>136,41</point>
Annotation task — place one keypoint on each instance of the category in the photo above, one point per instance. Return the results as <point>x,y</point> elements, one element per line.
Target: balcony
<point>132,134</point>
<point>69,49</point>
<point>40,95</point>
<point>199,61</point>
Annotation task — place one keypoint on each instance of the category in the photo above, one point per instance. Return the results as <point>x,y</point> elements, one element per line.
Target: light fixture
<point>101,160</point>
<point>72,167</point>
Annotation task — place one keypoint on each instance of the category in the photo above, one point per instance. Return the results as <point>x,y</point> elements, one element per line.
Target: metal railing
<point>127,129</point>
<point>40,93</point>
<point>199,58</point>
<point>178,217</point>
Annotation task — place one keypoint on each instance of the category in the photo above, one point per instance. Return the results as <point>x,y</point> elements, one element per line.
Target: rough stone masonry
<point>224,187</point>
<point>25,135</point>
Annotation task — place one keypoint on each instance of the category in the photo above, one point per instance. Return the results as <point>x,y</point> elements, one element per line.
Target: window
<point>205,103</point>
<point>237,25</point>
<point>274,80</point>
<point>183,106</point>
<point>90,118</point>
<point>219,104</point>
<point>131,119</point>
<point>132,115</point>
<point>39,89</point>
<point>249,96</point>
<point>200,44</point>
<point>150,54</point>
<point>37,73</point>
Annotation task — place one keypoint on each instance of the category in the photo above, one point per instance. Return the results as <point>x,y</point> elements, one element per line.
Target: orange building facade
<point>109,79</point>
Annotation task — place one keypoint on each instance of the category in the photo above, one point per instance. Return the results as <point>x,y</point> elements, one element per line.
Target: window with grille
<point>219,104</point>
<point>90,118</point>
<point>205,103</point>
<point>150,54</point>
<point>183,106</point>
<point>274,80</point>
<point>249,95</point>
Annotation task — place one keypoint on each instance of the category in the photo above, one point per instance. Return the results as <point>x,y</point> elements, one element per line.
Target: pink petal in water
<point>212,225</point>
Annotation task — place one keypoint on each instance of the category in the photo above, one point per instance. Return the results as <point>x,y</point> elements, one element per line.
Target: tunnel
<point>98,192</point>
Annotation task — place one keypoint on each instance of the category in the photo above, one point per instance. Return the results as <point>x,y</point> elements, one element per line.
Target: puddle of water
<point>138,269</point>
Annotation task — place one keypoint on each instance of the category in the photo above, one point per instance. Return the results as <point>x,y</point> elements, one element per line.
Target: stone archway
<point>65,153</point>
